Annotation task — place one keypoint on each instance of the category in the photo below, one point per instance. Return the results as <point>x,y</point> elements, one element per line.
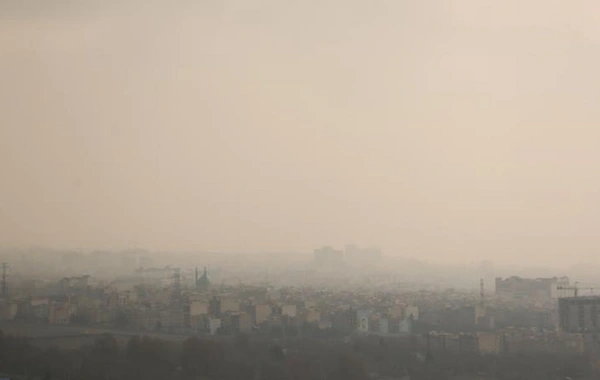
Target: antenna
<point>4,289</point>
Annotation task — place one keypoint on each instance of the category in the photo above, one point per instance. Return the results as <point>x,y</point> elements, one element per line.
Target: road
<point>41,331</point>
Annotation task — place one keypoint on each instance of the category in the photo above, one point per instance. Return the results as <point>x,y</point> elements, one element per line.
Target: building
<point>241,322</point>
<point>273,294</point>
<point>488,343</point>
<point>539,288</point>
<point>470,316</point>
<point>345,320</point>
<point>289,310</point>
<point>59,313</point>
<point>404,326</point>
<point>411,312</point>
<point>360,257</point>
<point>384,326</point>
<point>73,285</point>
<point>198,307</point>
<point>8,310</point>
<point>311,316</point>
<point>39,307</point>
<point>261,313</point>
<point>214,307</point>
<point>230,303</point>
<point>362,317</point>
<point>328,257</point>
<point>202,283</point>
<point>213,325</point>
<point>579,314</point>
<point>486,322</point>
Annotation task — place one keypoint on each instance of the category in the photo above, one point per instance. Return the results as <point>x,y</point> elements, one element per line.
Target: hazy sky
<point>435,128</point>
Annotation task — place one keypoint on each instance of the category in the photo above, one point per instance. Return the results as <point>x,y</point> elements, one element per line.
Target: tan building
<point>396,312</point>
<point>230,304</point>
<point>488,343</point>
<point>312,316</point>
<point>59,313</point>
<point>198,308</point>
<point>261,313</point>
<point>288,310</point>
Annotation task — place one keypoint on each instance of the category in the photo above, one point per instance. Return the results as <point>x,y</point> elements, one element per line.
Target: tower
<point>481,294</point>
<point>175,306</point>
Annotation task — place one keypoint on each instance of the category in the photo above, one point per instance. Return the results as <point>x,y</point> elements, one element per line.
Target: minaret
<point>205,276</point>
<point>196,283</point>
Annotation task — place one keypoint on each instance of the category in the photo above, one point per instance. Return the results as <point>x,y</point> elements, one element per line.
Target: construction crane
<point>575,289</point>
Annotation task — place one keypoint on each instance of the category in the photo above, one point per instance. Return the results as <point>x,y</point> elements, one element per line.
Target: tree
<point>106,347</point>
<point>148,358</point>
<point>101,361</point>
<point>201,357</point>
<point>277,354</point>
<point>351,367</point>
<point>123,319</point>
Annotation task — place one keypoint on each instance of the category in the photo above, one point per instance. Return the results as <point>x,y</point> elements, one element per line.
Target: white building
<point>214,324</point>
<point>362,319</point>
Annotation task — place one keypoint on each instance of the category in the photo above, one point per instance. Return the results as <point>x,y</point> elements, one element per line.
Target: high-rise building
<point>579,314</point>
<point>540,288</point>
<point>361,257</point>
<point>214,307</point>
<point>328,257</point>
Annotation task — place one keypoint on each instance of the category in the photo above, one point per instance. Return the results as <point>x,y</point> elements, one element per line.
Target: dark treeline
<point>251,359</point>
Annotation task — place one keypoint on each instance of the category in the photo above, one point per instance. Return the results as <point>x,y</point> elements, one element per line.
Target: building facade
<point>579,314</point>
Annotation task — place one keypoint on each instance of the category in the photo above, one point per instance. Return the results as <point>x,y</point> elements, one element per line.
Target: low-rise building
<point>362,317</point>
<point>39,307</point>
<point>288,310</point>
<point>261,313</point>
<point>311,316</point>
<point>213,325</point>
<point>384,327</point>
<point>198,307</point>
<point>230,304</point>
<point>60,313</point>
<point>241,322</point>
<point>8,310</point>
